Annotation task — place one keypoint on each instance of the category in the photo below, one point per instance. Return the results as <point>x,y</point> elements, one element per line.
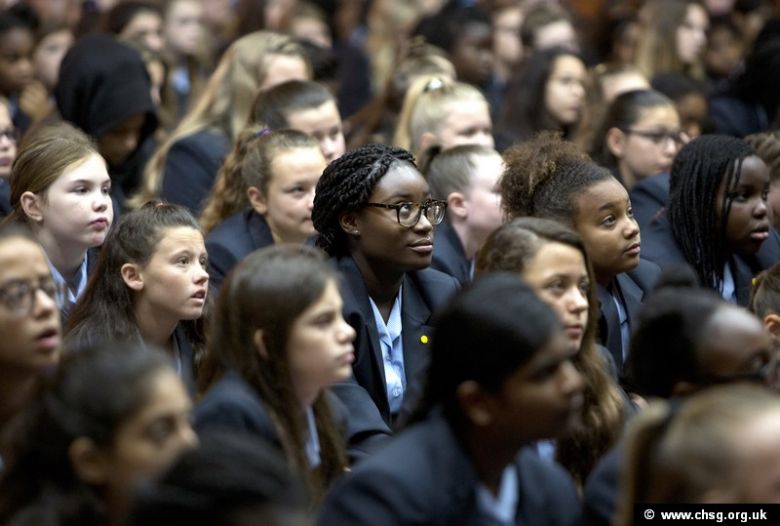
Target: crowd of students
<point>449,262</point>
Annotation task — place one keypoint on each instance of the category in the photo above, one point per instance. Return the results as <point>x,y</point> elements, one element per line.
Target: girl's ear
<point>427,139</point>
<point>457,205</point>
<point>260,347</point>
<point>616,141</point>
<point>772,324</point>
<point>31,206</point>
<point>474,403</point>
<point>132,276</point>
<point>257,200</point>
<point>88,461</point>
<point>349,223</point>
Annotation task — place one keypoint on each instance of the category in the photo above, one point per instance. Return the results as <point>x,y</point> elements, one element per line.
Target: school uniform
<point>234,239</point>
<point>366,393</point>
<point>600,494</point>
<point>449,256</point>
<point>424,476</point>
<point>5,198</point>
<point>75,288</point>
<point>233,405</point>
<point>659,246</point>
<point>648,197</point>
<point>619,304</point>
<point>191,167</point>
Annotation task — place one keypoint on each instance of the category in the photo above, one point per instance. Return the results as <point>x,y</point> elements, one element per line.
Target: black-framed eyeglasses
<point>759,376</point>
<point>408,214</point>
<point>659,138</point>
<point>19,296</point>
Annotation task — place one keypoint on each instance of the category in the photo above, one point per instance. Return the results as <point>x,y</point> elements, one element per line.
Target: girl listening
<point>263,195</point>
<point>150,286</point>
<point>552,259</point>
<point>281,340</point>
<point>551,178</point>
<point>60,187</point>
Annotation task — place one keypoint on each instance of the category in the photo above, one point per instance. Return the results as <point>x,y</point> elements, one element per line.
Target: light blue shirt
<point>728,289</point>
<point>392,352</point>
<point>79,284</point>
<point>502,509</point>
<point>312,445</point>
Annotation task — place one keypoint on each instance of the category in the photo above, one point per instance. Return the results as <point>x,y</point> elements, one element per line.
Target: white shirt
<point>392,352</point>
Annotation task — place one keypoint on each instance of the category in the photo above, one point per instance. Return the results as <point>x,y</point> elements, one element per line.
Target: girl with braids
<point>304,106</point>
<point>184,167</point>
<point>279,341</point>
<point>150,286</point>
<point>112,417</point>
<point>767,146</point>
<point>494,386</point>
<point>267,185</point>
<point>550,178</point>
<point>441,112</point>
<point>717,219</point>
<point>552,259</point>
<point>376,218</point>
<point>717,447</point>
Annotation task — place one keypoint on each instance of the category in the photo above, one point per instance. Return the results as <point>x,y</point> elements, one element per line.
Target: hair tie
<point>263,132</point>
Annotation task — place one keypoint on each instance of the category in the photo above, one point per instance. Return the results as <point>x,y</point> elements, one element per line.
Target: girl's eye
<point>556,287</point>
<point>183,260</point>
<point>80,190</point>
<point>106,190</point>
<point>608,221</point>
<point>765,194</point>
<point>203,262</point>
<point>630,211</point>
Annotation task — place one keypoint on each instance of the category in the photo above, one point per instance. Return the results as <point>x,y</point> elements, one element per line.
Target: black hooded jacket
<point>102,83</point>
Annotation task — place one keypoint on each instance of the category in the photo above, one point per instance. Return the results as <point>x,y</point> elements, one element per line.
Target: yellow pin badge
<point>424,339</point>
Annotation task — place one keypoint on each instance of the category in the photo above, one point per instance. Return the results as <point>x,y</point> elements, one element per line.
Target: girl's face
<point>184,27</point>
<point>76,210</point>
<point>773,201</point>
<point>149,441</point>
<point>747,226</point>
<point>692,110</point>
<point>48,56</point>
<point>319,347</point>
<point>542,399</point>
<point>378,238</point>
<point>7,142</point>
<point>173,285</point>
<point>16,70</point>
<point>466,122</point>
<point>146,29</point>
<point>605,221</point>
<point>558,275</point>
<point>649,146</point>
<point>564,93</point>
<point>282,68</point>
<point>324,124</point>
<point>289,197</point>
<point>29,338</point>
<point>691,36</point>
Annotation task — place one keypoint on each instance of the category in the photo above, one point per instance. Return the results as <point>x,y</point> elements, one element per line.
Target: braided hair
<point>543,176</point>
<point>346,185</point>
<point>699,170</point>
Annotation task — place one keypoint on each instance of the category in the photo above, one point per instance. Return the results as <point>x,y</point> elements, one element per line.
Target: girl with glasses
<point>60,187</point>
<point>263,195</point>
<point>30,331</point>
<point>639,138</point>
<point>376,218</point>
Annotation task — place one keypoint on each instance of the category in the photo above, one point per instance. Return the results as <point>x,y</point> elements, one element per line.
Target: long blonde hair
<point>226,101</point>
<point>426,103</point>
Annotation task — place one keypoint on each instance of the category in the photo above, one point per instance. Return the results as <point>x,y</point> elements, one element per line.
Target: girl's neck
<point>66,258</point>
<point>605,280</point>
<point>382,284</point>
<point>489,454</point>
<point>155,329</point>
<point>627,177</point>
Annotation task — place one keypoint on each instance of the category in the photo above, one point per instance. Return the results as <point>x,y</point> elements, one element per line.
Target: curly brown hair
<point>528,164</point>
